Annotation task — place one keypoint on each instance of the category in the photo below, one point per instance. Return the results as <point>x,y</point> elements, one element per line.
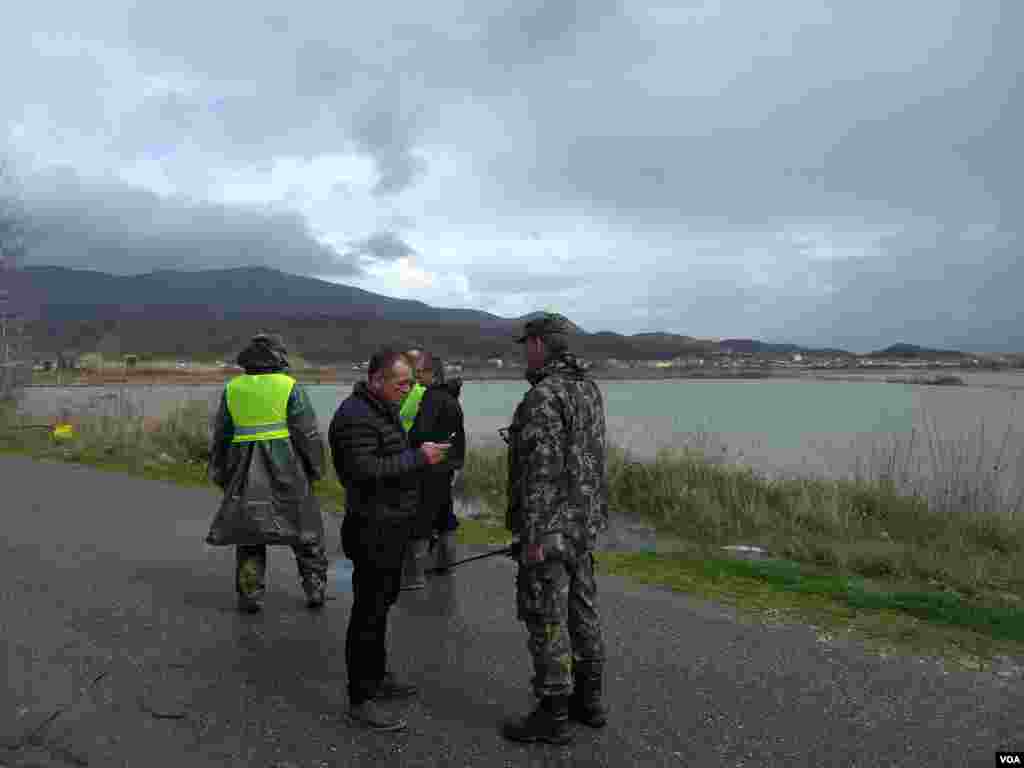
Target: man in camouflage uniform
<point>558,504</point>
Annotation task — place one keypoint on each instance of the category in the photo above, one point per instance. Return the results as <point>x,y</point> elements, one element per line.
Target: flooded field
<point>800,426</point>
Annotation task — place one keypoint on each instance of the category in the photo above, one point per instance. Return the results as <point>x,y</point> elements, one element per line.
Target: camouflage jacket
<point>557,475</point>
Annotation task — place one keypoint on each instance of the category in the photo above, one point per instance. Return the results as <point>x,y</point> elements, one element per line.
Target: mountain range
<point>210,314</point>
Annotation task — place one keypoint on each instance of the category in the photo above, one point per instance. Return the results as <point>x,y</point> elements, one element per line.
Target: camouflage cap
<point>547,324</point>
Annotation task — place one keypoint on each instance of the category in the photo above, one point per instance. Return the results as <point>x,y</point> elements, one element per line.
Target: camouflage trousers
<point>557,600</point>
<point>251,569</point>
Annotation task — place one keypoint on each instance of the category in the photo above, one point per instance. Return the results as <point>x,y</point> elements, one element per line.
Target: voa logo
<point>1010,760</point>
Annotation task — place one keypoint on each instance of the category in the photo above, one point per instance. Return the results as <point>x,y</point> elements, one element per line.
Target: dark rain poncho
<point>268,484</point>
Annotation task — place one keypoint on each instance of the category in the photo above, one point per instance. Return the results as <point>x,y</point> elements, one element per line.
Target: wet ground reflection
<point>438,598</point>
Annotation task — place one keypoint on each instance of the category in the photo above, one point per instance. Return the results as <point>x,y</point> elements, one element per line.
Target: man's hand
<point>435,452</point>
<point>526,554</point>
<point>534,553</point>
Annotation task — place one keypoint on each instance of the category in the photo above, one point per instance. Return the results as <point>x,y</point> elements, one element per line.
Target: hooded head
<point>266,353</point>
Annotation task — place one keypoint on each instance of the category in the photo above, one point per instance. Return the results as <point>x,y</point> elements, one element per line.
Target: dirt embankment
<point>163,376</point>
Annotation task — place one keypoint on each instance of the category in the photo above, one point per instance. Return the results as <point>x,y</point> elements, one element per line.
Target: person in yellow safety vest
<point>411,404</point>
<point>265,453</point>
<point>63,429</point>
<point>413,570</point>
<point>63,432</point>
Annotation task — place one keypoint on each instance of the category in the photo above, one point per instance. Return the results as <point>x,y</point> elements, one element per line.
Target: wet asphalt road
<point>123,647</point>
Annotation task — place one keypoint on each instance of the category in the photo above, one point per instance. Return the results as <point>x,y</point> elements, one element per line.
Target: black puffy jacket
<point>439,415</point>
<point>373,458</point>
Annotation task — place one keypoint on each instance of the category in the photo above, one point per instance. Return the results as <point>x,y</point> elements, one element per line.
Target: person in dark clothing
<point>439,419</point>
<point>380,473</point>
<point>266,451</point>
<point>413,570</point>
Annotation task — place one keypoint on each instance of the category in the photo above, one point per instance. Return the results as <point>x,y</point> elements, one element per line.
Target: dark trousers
<point>376,551</point>
<point>445,520</point>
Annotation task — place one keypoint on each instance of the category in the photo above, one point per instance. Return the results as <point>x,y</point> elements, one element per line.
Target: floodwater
<point>783,426</point>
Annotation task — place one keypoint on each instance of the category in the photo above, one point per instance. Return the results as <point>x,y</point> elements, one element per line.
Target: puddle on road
<point>439,598</point>
<point>339,574</point>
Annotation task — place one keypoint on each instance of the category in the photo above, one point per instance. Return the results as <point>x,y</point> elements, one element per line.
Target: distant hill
<point>667,337</point>
<point>74,293</point>
<point>211,314</point>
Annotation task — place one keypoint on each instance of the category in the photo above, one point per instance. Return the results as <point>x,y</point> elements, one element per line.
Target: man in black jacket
<point>439,418</point>
<point>381,475</point>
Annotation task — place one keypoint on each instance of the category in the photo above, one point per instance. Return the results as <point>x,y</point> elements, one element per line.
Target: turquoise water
<point>788,426</point>
<point>783,412</point>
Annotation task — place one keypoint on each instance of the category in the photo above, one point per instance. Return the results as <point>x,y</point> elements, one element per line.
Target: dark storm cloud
<point>382,247</point>
<point>388,136</point>
<point>962,291</point>
<point>120,229</point>
<point>887,132</point>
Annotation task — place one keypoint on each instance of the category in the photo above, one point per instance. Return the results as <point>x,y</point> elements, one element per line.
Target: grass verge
<point>884,618</point>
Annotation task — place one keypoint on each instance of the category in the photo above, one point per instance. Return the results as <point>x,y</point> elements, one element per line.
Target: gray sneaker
<point>370,715</point>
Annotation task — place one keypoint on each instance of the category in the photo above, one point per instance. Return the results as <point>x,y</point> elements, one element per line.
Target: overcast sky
<point>829,173</point>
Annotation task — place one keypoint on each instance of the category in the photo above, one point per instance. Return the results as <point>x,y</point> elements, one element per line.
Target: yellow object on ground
<point>63,432</point>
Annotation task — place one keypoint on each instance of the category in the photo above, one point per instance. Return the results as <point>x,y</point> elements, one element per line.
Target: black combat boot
<point>315,598</point>
<point>445,551</point>
<point>315,588</point>
<point>585,704</point>
<point>390,688</point>
<point>245,605</point>
<point>369,715</point>
<point>549,723</point>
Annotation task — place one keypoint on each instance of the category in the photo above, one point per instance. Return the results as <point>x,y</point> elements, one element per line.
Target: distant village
<point>724,361</point>
<point>727,360</point>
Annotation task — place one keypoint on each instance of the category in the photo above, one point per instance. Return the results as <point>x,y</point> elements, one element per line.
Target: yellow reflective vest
<point>258,405</point>
<point>411,406</point>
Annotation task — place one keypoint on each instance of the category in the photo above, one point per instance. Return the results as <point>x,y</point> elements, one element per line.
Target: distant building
<point>614,362</point>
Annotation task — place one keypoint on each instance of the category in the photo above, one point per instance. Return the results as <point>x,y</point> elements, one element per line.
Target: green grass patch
<point>920,622</point>
<point>482,532</point>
